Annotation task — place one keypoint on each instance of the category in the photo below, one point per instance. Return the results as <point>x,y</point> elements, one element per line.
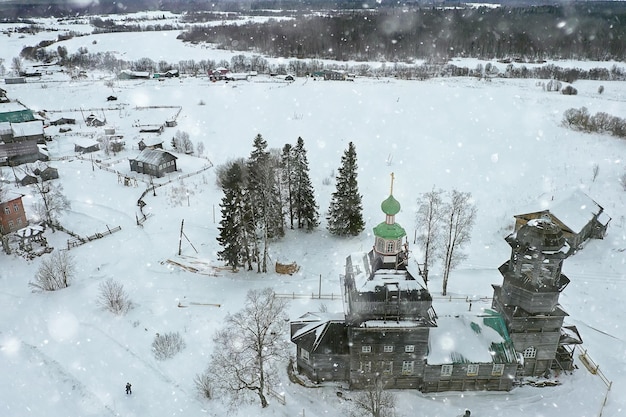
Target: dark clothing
<point>128,390</point>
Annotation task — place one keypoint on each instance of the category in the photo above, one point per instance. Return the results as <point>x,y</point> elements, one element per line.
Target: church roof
<point>390,206</point>
<point>389,231</point>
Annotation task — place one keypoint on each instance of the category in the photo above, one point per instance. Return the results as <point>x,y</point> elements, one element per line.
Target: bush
<point>54,273</point>
<point>167,345</point>
<point>569,91</point>
<point>113,297</point>
<point>601,89</point>
<point>204,385</point>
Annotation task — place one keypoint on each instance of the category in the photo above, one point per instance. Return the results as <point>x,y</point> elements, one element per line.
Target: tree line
<point>575,31</point>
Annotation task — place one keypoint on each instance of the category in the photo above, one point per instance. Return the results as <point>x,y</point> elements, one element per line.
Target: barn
<point>155,162</point>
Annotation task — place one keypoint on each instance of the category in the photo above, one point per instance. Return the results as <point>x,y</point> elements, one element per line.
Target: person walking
<point>128,390</point>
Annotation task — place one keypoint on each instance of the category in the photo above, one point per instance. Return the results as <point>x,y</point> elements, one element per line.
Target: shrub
<point>114,298</point>
<point>165,346</point>
<point>204,385</point>
<point>601,89</point>
<point>569,91</point>
<point>54,273</point>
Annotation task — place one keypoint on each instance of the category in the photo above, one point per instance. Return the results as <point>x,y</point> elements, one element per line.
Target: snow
<point>502,141</point>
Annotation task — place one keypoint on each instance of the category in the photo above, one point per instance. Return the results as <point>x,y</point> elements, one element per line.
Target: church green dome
<point>389,231</point>
<point>390,206</point>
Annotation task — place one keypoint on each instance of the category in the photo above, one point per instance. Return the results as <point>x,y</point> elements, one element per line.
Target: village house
<point>12,216</point>
<point>20,132</point>
<point>578,216</point>
<point>86,145</point>
<point>152,142</point>
<point>155,162</point>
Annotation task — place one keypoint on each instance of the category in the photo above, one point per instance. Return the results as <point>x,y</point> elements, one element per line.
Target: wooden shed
<point>155,162</point>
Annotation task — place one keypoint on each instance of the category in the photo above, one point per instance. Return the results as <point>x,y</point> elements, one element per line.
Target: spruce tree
<point>345,215</point>
<point>304,204</point>
<point>232,227</point>
<point>264,197</point>
<point>287,177</point>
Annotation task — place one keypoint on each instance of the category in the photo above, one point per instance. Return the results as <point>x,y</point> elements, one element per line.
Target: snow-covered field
<point>502,141</point>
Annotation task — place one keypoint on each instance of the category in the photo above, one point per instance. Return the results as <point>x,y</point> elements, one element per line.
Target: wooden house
<point>578,216</point>
<point>45,171</point>
<point>155,162</point>
<point>94,121</point>
<point>12,216</point>
<point>63,121</point>
<point>85,145</point>
<point>153,142</point>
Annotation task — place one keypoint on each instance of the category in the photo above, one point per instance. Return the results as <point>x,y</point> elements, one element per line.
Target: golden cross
<point>392,178</point>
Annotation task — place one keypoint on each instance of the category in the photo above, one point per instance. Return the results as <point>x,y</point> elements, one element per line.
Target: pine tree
<point>304,205</point>
<point>345,215</point>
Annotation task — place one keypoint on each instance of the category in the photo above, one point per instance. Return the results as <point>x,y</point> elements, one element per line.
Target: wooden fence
<point>594,368</point>
<point>280,397</point>
<point>311,296</point>
<point>79,240</point>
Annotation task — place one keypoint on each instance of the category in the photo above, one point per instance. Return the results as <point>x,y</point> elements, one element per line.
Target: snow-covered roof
<point>86,142</point>
<point>315,323</point>
<point>468,339</point>
<point>366,283</point>
<point>575,210</point>
<point>5,128</point>
<point>27,128</point>
<point>152,156</point>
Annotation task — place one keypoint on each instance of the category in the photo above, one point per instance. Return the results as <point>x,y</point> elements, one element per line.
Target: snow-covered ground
<point>502,141</point>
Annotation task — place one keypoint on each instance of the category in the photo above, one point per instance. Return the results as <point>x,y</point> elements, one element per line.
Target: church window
<point>530,352</point>
<point>390,247</point>
<point>472,369</point>
<point>366,349</point>
<point>407,367</point>
<point>498,369</point>
<point>446,370</point>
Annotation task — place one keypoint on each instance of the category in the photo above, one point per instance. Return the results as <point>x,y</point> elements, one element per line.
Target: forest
<point>584,31</point>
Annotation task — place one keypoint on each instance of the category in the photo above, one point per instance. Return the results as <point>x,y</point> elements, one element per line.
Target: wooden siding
<point>460,381</point>
<point>321,368</point>
<point>377,338</point>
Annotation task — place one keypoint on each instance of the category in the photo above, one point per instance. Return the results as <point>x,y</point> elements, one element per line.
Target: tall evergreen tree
<point>287,168</point>
<point>304,204</point>
<point>235,233</point>
<point>345,214</point>
<point>264,196</point>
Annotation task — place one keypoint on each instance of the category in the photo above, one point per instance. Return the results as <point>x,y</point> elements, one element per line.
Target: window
<point>16,208</point>
<point>389,247</point>
<point>407,368</point>
<point>19,222</point>
<point>387,367</point>
<point>409,348</point>
<point>7,210</point>
<point>446,370</point>
<point>366,366</point>
<point>388,349</point>
<point>472,369</point>
<point>498,369</point>
<point>530,352</point>
<point>304,354</point>
<point>366,349</point>
<point>10,224</point>
<point>140,164</point>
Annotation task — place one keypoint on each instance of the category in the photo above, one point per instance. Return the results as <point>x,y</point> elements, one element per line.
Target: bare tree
<point>16,65</point>
<point>113,297</point>
<point>55,272</point>
<point>249,347</point>
<point>374,400</point>
<point>52,202</point>
<point>204,384</point>
<point>458,219</point>
<point>428,219</point>
<point>200,148</point>
<point>182,143</point>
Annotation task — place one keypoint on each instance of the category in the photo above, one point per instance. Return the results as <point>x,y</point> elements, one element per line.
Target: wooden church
<point>389,330</point>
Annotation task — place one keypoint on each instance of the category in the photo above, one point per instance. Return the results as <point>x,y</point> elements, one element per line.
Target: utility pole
<point>180,238</point>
